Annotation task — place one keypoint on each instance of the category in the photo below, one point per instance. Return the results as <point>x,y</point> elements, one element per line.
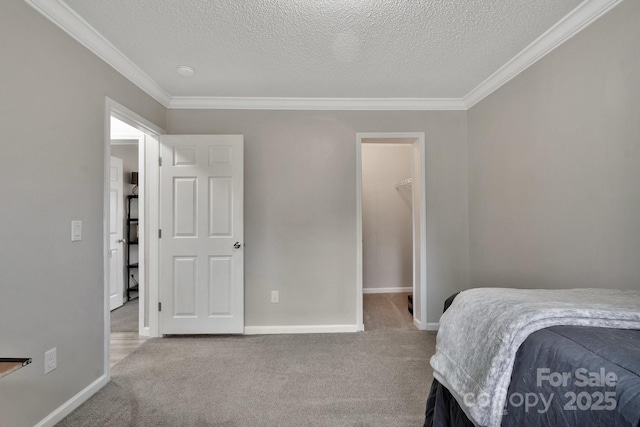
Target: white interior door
<point>201,218</point>
<point>116,230</point>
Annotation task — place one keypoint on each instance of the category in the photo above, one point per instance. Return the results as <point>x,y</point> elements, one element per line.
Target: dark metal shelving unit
<point>132,240</point>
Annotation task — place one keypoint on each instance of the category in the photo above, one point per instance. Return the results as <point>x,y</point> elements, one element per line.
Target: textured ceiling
<point>322,48</point>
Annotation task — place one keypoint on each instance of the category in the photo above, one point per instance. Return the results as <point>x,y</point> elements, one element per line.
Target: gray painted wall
<point>300,206</point>
<point>554,156</point>
<point>387,223</point>
<point>52,171</point>
<point>129,155</point>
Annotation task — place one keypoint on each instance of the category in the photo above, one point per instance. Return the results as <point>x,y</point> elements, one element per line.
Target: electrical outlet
<point>275,297</point>
<point>50,360</point>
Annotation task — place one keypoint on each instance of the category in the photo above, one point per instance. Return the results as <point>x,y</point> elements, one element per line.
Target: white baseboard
<point>67,407</point>
<point>299,329</point>
<point>386,290</point>
<point>427,327</point>
<point>432,326</point>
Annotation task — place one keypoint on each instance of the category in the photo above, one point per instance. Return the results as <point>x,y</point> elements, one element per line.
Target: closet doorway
<point>391,223</point>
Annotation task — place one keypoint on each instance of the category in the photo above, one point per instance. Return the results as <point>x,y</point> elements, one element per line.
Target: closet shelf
<point>406,184</point>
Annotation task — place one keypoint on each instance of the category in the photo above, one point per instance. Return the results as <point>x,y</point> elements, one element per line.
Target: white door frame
<point>419,224</point>
<point>151,170</point>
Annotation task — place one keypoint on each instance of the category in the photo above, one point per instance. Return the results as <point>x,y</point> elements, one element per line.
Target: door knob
<point>236,245</point>
<point>121,241</point>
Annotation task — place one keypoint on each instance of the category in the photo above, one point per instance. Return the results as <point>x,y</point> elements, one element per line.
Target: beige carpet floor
<point>380,377</point>
<point>360,379</point>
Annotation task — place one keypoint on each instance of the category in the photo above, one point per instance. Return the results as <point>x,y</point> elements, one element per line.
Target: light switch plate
<point>76,230</point>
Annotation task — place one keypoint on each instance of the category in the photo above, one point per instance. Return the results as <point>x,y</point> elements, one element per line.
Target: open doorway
<point>126,144</point>
<point>135,140</point>
<point>387,236</point>
<point>391,230</point>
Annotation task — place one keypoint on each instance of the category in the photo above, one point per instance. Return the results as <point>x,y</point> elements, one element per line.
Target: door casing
<point>419,222</point>
<point>152,133</point>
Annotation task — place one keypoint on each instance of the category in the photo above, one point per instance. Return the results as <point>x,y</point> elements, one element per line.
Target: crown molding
<point>64,17</point>
<point>68,20</point>
<point>578,19</point>
<point>239,103</point>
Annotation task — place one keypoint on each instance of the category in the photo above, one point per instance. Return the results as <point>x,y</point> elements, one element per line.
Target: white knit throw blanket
<point>481,332</point>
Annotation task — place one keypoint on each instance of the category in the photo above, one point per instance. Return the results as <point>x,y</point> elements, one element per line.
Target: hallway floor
<point>124,338</point>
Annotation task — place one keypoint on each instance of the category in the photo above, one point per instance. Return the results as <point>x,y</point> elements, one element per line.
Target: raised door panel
<point>185,286</point>
<point>220,207</point>
<point>220,285</point>
<point>114,209</point>
<point>185,206</point>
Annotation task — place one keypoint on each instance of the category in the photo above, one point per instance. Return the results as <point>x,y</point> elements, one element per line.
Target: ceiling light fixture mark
<point>186,71</point>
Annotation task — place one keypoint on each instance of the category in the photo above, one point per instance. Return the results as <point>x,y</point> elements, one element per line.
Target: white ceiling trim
<point>578,19</point>
<point>64,17</point>
<point>59,13</point>
<point>124,141</point>
<point>232,103</point>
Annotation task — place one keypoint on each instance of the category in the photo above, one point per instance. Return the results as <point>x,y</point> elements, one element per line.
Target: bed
<point>577,370</point>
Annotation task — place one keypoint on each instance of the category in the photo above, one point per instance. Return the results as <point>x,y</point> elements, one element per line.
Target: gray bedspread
<point>600,384</point>
<point>481,332</point>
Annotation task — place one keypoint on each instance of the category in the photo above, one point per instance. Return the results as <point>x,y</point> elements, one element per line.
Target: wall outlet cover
<point>50,360</point>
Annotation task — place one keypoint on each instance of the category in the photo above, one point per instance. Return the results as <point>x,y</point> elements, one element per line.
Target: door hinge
<point>160,234</point>
<point>159,161</point>
<point>159,306</point>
